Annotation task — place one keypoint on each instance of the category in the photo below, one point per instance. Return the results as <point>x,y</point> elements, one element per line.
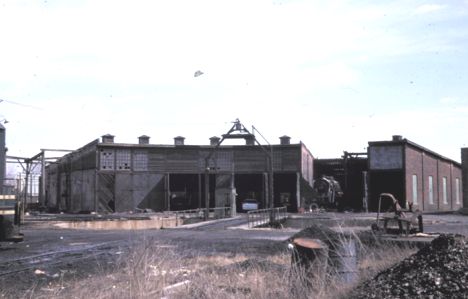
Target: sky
<point>332,74</point>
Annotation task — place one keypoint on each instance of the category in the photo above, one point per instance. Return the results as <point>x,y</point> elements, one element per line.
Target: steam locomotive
<point>327,193</point>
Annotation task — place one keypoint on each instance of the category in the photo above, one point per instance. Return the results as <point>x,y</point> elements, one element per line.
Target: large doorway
<point>386,182</point>
<point>249,186</point>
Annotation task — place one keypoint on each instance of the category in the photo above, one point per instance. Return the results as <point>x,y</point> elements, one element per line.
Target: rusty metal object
<point>317,257</point>
<point>405,218</point>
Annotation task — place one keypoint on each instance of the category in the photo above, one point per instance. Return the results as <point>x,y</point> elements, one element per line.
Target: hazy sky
<point>333,74</point>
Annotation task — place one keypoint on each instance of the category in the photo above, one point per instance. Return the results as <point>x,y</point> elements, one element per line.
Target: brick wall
<point>414,166</point>
<point>424,165</point>
<point>464,159</point>
<point>444,172</point>
<point>430,170</point>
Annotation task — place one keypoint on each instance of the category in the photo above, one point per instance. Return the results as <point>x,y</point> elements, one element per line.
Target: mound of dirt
<point>439,270</point>
<point>318,231</point>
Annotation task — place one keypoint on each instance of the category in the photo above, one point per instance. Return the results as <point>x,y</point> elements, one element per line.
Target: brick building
<point>414,174</point>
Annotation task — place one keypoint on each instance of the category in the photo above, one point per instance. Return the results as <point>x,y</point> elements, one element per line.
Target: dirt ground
<point>50,254</point>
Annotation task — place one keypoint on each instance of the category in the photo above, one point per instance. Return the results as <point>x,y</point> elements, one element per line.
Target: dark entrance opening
<point>285,185</point>
<point>386,182</point>
<point>184,191</point>
<point>249,186</point>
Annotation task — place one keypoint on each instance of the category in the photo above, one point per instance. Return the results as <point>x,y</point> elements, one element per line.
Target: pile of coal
<point>439,270</point>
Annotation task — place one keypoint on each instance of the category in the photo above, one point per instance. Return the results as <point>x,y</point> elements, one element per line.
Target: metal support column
<point>207,194</point>
<point>199,191</point>
<point>42,196</point>
<point>232,196</point>
<point>298,190</point>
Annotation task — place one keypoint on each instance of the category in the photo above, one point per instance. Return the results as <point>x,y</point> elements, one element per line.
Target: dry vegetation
<point>150,270</point>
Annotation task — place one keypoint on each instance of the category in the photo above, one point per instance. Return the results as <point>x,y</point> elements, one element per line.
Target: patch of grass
<point>151,271</point>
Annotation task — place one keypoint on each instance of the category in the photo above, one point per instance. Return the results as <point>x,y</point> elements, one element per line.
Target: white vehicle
<point>249,205</point>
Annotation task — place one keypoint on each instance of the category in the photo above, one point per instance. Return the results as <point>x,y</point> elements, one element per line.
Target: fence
<point>266,216</point>
<point>215,213</point>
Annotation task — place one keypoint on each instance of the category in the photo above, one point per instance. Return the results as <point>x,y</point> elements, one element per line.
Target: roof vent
<point>179,140</point>
<point>143,139</point>
<point>284,140</point>
<point>249,140</point>
<point>108,138</point>
<point>214,140</point>
<point>397,138</point>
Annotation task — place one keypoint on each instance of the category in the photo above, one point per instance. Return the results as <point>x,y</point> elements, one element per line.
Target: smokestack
<point>397,138</point>
<point>108,138</point>
<point>179,140</point>
<point>143,139</point>
<point>284,140</point>
<point>214,140</point>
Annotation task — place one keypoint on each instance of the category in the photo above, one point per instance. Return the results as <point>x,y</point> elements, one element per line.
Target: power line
<point>19,104</point>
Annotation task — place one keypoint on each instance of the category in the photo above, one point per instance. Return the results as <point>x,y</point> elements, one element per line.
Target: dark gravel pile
<point>439,270</point>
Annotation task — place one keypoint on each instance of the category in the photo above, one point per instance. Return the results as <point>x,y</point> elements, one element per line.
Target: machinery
<point>327,192</point>
<point>10,219</point>
<point>407,220</point>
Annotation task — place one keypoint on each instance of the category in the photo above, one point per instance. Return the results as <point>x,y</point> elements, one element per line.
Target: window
<point>140,161</point>
<point>107,159</point>
<point>457,190</point>
<point>444,190</point>
<point>430,185</point>
<point>122,160</point>
<point>415,189</point>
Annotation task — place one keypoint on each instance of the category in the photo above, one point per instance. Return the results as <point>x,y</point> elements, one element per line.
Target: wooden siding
<point>192,159</point>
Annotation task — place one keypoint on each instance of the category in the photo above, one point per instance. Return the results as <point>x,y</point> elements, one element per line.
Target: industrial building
<point>414,174</point>
<point>106,176</point>
<point>464,160</point>
<point>351,173</point>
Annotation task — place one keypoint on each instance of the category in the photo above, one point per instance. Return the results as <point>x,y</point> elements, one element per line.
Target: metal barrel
<point>343,259</point>
<point>308,251</point>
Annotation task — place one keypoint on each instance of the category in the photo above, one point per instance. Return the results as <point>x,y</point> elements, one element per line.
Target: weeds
<point>153,271</point>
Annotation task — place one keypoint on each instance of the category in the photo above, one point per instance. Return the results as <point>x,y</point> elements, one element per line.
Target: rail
<point>214,213</point>
<point>266,216</point>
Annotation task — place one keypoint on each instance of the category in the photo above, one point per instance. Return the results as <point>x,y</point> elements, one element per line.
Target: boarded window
<point>415,189</point>
<point>122,159</point>
<point>444,190</point>
<point>457,191</point>
<point>107,159</point>
<point>385,157</point>
<point>140,161</point>
<point>224,160</point>
<point>277,159</point>
<point>430,185</point>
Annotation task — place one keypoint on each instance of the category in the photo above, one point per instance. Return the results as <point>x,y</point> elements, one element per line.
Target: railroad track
<point>55,257</point>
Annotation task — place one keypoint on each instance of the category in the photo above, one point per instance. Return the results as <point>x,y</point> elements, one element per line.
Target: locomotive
<point>327,193</point>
